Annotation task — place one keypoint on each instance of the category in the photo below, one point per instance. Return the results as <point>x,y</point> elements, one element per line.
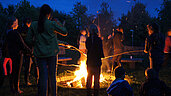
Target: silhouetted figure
<point>153,86</point>
<point>14,49</point>
<point>154,46</point>
<point>26,54</point>
<point>119,86</point>
<point>94,55</point>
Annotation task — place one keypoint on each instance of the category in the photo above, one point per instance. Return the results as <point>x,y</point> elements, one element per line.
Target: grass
<point>137,74</point>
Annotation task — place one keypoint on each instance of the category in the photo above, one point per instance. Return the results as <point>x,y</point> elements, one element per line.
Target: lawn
<point>137,74</point>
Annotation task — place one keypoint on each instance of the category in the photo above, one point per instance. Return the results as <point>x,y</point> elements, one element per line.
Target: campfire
<point>78,79</point>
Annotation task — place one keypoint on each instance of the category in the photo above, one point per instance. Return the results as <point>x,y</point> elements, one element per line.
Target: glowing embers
<point>80,77</point>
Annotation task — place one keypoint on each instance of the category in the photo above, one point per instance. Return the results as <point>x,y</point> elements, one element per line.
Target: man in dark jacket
<point>94,55</point>
<point>119,86</point>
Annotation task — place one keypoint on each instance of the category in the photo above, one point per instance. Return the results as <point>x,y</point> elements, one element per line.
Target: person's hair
<point>11,20</point>
<point>93,29</point>
<point>119,72</point>
<point>82,31</point>
<point>155,27</point>
<point>27,20</point>
<point>150,73</point>
<point>44,11</point>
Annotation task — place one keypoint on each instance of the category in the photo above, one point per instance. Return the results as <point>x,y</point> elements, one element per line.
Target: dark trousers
<point>47,66</point>
<point>117,59</point>
<point>96,72</point>
<point>27,68</point>
<point>16,69</point>
<point>156,62</point>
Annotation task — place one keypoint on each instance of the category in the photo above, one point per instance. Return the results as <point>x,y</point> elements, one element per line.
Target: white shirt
<point>82,42</point>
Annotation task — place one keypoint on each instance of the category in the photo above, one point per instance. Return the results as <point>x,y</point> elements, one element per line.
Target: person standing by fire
<point>82,46</point>
<point>26,54</point>
<point>154,46</point>
<point>118,46</point>
<point>94,55</point>
<point>45,48</point>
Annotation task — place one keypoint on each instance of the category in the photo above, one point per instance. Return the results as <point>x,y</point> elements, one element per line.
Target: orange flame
<point>82,73</point>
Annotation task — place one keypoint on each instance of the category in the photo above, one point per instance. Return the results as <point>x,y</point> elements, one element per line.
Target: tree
<point>165,16</point>
<point>134,25</point>
<point>79,15</point>
<point>24,9</point>
<point>105,20</point>
<point>70,25</point>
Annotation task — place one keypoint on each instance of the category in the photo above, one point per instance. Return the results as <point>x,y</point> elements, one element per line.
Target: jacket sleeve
<point>59,28</point>
<point>146,46</point>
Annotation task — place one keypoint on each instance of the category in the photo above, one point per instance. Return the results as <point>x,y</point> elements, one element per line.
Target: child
<point>82,41</point>
<point>14,50</point>
<point>119,86</point>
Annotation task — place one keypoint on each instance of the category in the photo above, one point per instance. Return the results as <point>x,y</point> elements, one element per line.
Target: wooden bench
<point>132,60</point>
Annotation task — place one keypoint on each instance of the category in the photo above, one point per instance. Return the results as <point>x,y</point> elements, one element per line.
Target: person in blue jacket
<point>119,86</point>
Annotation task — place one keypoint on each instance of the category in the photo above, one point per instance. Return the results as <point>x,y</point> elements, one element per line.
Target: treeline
<point>134,22</point>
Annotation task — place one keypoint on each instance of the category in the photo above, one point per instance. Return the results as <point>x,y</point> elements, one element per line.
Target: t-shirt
<point>82,42</point>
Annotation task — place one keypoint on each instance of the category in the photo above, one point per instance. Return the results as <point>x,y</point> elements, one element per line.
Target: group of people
<point>155,46</point>
<point>41,36</point>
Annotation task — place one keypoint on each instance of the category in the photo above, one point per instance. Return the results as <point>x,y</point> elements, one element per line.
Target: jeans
<point>47,66</point>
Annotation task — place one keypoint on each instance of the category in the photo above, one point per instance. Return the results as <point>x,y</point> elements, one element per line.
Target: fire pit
<point>77,79</point>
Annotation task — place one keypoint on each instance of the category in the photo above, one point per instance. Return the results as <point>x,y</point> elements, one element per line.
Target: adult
<point>154,46</point>
<point>94,55</point>
<point>45,48</point>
